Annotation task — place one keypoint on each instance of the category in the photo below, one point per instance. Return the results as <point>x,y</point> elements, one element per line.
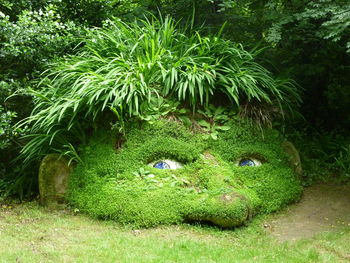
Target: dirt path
<point>323,207</point>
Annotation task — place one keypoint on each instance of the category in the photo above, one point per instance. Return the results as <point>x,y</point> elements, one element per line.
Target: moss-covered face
<point>166,174</point>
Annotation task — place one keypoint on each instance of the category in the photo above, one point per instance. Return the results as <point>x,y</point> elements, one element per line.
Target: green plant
<point>212,129</point>
<point>9,133</point>
<point>126,65</point>
<point>29,41</point>
<point>141,173</point>
<point>332,17</point>
<point>120,124</point>
<point>159,107</point>
<point>3,187</point>
<point>218,114</point>
<point>31,35</point>
<point>214,121</point>
<point>324,155</point>
<point>342,162</point>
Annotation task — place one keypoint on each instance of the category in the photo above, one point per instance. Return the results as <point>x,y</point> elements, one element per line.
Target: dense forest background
<point>307,41</point>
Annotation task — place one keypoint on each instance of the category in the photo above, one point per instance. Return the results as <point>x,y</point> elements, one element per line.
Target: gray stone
<point>294,158</point>
<point>54,172</point>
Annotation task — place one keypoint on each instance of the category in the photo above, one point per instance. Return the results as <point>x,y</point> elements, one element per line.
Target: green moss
<point>209,187</point>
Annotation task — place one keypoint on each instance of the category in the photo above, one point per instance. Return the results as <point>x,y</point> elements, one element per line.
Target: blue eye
<point>161,165</point>
<point>165,164</point>
<point>247,162</point>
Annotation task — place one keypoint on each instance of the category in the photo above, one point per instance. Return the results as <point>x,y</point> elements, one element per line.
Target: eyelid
<point>172,164</point>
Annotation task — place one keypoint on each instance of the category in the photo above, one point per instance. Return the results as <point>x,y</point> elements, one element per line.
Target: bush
<point>28,41</point>
<point>342,162</point>
<point>33,39</point>
<point>126,66</point>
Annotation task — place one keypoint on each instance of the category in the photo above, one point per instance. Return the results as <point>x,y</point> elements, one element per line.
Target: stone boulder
<point>294,158</point>
<point>54,172</point>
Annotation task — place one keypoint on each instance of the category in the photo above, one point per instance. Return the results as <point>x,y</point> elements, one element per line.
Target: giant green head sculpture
<point>132,68</point>
<point>165,173</point>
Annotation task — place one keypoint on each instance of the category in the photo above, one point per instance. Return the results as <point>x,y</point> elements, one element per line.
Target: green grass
<point>28,233</point>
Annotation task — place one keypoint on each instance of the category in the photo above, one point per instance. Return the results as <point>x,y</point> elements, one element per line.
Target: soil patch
<point>324,207</point>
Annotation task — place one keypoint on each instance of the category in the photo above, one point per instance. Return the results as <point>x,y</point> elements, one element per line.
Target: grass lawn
<point>29,233</point>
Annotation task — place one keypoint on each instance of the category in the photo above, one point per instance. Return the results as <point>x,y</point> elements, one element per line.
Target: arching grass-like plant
<point>126,65</point>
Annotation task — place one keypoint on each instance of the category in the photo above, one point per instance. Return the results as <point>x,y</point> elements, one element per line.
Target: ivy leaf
<point>223,128</point>
<point>214,136</point>
<point>204,123</point>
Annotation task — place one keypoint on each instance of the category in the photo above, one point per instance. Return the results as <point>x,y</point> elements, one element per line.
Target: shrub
<point>126,65</point>
<point>342,162</point>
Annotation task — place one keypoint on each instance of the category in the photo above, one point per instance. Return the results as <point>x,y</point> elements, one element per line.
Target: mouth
<point>225,210</point>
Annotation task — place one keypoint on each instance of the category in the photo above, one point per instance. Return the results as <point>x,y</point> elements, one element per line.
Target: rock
<point>53,180</point>
<point>294,158</point>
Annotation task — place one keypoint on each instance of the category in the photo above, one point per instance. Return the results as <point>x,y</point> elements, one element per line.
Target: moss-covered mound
<point>209,183</point>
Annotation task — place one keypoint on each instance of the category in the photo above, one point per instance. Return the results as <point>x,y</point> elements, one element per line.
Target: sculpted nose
<point>226,210</point>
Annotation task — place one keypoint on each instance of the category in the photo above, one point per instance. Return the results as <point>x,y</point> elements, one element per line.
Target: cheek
<point>275,186</point>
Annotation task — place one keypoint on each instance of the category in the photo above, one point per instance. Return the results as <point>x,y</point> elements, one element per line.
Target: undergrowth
<point>324,155</point>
